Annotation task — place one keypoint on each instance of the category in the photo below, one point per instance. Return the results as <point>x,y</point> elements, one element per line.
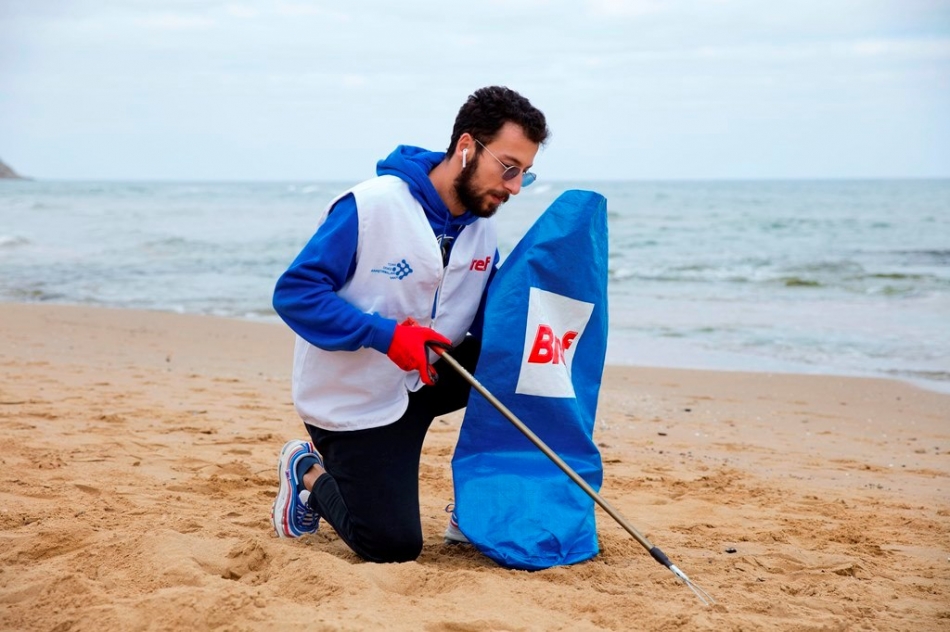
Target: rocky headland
<point>6,173</point>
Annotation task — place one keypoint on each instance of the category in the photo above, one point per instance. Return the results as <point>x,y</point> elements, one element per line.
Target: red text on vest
<point>480,265</point>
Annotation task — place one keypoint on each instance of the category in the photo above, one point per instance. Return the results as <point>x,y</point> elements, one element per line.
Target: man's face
<point>480,186</point>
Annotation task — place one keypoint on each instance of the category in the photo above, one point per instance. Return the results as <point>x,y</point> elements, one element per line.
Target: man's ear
<point>465,141</point>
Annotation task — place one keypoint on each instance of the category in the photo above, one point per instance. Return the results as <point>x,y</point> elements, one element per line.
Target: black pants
<point>370,493</point>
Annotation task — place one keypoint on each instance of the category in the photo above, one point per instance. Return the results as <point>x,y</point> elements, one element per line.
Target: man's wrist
<point>383,331</point>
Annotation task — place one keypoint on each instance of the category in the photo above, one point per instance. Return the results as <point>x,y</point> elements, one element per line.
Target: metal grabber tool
<point>653,550</point>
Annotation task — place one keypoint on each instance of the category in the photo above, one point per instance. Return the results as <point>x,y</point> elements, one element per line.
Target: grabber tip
<point>699,592</point>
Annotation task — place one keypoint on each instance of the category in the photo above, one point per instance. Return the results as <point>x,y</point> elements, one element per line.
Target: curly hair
<point>485,112</point>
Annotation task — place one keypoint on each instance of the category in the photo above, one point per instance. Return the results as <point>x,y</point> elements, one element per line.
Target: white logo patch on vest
<point>555,326</point>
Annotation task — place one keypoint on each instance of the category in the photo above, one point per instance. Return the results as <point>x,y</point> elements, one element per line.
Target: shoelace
<point>304,516</point>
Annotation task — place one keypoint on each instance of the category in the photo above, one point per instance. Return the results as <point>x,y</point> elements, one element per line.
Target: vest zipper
<point>445,268</point>
<point>435,301</point>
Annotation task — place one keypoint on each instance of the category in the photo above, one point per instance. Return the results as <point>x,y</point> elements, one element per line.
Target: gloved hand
<point>408,349</point>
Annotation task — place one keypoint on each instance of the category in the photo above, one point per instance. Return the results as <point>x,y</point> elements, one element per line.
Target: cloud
<point>354,81</point>
<point>625,8</point>
<point>785,53</point>
<point>174,22</point>
<point>300,9</point>
<point>620,70</point>
<point>936,48</point>
<point>242,11</point>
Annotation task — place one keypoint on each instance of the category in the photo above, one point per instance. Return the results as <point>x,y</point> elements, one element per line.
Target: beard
<point>479,204</point>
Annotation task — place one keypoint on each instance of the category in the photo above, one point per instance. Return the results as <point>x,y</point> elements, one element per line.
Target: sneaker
<point>454,535</point>
<point>290,514</point>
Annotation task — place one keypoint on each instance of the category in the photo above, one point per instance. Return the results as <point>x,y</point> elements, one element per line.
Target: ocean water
<point>837,277</point>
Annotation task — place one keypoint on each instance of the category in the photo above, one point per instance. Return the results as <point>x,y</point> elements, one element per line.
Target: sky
<point>632,90</point>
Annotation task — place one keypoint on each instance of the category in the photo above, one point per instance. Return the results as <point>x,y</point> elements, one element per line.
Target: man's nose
<point>513,186</point>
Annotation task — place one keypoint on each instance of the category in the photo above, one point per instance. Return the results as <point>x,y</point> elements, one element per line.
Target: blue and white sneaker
<point>290,515</point>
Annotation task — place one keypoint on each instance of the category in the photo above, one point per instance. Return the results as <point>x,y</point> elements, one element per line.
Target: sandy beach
<point>139,456</point>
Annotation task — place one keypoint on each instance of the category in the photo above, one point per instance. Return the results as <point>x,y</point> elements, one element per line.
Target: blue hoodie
<point>305,296</point>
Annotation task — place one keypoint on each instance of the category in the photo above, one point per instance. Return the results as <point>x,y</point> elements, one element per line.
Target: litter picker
<point>653,550</point>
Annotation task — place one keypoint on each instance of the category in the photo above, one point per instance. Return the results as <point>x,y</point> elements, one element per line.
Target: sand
<point>139,458</point>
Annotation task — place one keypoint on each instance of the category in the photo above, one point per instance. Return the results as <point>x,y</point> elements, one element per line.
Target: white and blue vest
<point>399,274</point>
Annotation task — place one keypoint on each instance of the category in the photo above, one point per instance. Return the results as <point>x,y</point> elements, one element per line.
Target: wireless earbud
<point>464,152</point>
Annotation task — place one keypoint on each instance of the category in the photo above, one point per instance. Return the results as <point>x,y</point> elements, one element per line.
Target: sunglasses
<point>511,172</point>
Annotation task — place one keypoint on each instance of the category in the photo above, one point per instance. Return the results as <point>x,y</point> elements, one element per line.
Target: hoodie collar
<point>412,165</point>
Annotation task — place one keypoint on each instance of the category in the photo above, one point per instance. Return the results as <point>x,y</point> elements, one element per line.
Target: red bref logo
<point>548,348</point>
<point>480,265</point>
<point>552,333</point>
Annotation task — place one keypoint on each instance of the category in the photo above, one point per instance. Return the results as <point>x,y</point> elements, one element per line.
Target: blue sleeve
<point>306,298</point>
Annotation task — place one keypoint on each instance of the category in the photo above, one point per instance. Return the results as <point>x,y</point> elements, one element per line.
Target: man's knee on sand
<point>385,548</point>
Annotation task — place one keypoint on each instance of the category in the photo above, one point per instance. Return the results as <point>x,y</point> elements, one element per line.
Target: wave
<point>936,376</point>
<point>177,245</point>
<point>843,277</point>
<point>841,268</point>
<point>539,189</point>
<point>939,257</point>
<point>33,295</point>
<point>799,282</point>
<point>621,274</point>
<point>898,276</point>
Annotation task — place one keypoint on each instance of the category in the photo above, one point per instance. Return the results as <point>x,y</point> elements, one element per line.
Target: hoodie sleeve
<point>305,296</point>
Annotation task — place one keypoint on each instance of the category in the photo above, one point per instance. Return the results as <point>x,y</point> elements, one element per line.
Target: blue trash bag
<point>543,349</point>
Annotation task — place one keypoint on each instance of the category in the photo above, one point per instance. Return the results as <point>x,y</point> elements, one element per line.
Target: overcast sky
<point>639,89</point>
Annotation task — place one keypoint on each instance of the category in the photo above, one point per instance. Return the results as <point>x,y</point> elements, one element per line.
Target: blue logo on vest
<point>395,270</point>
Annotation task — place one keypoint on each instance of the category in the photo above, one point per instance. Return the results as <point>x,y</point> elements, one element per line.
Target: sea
<point>841,277</point>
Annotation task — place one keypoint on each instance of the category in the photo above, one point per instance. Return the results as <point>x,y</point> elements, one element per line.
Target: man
<point>398,263</point>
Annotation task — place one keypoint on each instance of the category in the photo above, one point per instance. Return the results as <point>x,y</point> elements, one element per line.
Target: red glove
<point>408,349</point>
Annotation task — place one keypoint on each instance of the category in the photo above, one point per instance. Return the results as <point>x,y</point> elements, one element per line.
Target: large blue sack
<point>543,349</point>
